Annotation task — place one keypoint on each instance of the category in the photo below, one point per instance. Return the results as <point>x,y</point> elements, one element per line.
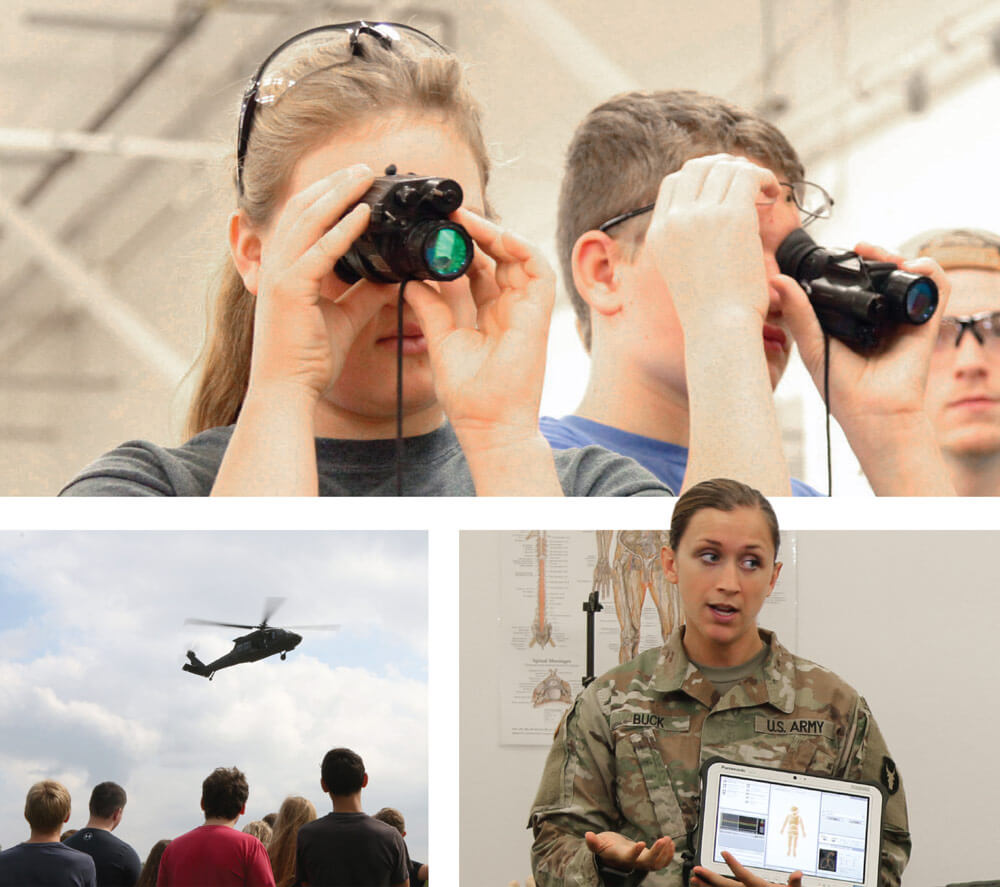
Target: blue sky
<point>92,639</point>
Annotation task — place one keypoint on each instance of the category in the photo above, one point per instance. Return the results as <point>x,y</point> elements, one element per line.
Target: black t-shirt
<point>118,865</point>
<point>48,864</point>
<point>414,870</point>
<point>350,850</point>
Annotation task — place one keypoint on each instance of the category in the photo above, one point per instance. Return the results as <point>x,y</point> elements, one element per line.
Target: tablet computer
<point>776,822</point>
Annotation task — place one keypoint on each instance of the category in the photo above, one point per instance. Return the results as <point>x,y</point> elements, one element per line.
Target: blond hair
<point>622,149</point>
<point>295,812</point>
<point>47,805</point>
<point>391,816</point>
<point>333,99</point>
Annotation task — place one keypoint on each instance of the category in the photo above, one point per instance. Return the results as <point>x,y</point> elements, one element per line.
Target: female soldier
<point>297,394</point>
<point>619,797</point>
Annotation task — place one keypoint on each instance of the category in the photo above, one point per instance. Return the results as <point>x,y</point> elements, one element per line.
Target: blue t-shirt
<point>666,460</point>
<point>46,864</point>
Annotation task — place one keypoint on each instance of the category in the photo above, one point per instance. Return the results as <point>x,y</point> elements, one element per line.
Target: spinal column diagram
<point>552,688</point>
<point>636,571</point>
<point>541,628</point>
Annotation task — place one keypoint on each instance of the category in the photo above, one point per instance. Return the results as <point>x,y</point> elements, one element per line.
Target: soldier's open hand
<point>622,853</point>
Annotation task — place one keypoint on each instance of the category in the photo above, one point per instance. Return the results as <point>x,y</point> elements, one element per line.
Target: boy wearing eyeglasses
<point>963,387</point>
<point>672,207</point>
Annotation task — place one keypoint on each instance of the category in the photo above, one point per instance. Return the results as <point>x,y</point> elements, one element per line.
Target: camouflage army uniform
<point>627,756</point>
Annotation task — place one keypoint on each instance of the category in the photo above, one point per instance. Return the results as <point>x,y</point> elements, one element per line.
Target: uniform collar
<point>674,671</point>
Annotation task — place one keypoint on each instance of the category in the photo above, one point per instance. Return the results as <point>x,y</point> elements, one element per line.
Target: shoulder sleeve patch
<point>889,776</point>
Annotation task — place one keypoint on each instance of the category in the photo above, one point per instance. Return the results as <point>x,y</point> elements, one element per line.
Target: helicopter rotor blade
<point>212,622</point>
<point>312,627</point>
<point>271,604</point>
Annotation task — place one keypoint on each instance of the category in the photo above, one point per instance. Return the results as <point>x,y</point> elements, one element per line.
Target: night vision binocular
<point>409,235</point>
<point>856,301</point>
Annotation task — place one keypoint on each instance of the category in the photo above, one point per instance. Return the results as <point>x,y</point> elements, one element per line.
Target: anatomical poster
<point>553,582</point>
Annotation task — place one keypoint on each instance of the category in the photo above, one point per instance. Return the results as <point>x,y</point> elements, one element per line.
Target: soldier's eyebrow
<point>749,546</point>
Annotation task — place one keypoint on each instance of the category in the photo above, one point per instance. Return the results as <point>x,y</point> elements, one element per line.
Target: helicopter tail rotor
<point>196,666</point>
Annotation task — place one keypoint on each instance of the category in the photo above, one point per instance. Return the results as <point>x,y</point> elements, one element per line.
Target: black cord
<point>399,389</point>
<point>826,399</point>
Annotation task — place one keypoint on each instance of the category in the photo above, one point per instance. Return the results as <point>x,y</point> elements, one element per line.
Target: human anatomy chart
<point>541,628</point>
<point>546,577</point>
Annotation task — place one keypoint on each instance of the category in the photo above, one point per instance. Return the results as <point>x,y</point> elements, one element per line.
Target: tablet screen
<point>785,827</point>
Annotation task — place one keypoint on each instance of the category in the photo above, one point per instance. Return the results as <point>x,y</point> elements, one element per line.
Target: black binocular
<point>856,301</point>
<point>409,235</point>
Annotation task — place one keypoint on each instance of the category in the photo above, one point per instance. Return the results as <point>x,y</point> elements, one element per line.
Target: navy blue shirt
<point>47,864</point>
<point>118,865</point>
<point>665,460</point>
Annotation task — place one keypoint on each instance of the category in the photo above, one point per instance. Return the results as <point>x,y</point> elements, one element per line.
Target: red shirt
<point>215,856</point>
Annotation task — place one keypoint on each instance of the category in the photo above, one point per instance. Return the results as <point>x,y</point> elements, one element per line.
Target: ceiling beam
<point>46,140</point>
<point>91,292</point>
<point>575,51</point>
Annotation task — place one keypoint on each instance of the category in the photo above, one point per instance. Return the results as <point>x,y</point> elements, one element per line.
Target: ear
<point>669,560</point>
<point>597,260</point>
<point>243,810</point>
<point>364,780</point>
<point>245,248</point>
<point>322,785</point>
<point>774,577</point>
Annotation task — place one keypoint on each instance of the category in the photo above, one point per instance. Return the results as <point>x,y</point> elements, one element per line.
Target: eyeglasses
<point>812,201</point>
<point>317,50</point>
<point>985,327</point>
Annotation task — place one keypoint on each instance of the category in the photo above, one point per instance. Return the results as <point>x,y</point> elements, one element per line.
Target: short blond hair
<point>955,248</point>
<point>47,805</point>
<point>622,149</point>
<point>391,816</point>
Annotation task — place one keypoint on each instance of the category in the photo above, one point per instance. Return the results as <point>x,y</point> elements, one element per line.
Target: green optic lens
<point>447,253</point>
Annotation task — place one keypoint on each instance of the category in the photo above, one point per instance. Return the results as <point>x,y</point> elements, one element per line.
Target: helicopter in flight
<point>263,641</point>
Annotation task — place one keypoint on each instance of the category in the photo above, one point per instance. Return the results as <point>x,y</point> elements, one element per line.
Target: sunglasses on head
<point>318,49</point>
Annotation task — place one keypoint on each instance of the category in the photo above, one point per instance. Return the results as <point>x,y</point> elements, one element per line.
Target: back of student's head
<point>151,867</point>
<point>294,813</point>
<point>342,771</point>
<point>622,149</point>
<point>334,100</point>
<point>47,805</point>
<point>106,798</point>
<point>224,793</point>
<point>391,816</point>
<point>260,830</point>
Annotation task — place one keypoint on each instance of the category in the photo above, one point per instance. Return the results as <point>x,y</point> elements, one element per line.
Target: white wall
<point>908,618</point>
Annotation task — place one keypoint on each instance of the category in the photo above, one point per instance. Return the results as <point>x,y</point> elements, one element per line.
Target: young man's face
<point>660,337</point>
<point>963,387</point>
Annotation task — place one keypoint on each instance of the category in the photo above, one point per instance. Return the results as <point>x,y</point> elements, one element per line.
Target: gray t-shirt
<point>433,465</point>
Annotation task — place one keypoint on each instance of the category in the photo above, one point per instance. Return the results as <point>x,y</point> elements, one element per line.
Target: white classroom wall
<point>908,618</point>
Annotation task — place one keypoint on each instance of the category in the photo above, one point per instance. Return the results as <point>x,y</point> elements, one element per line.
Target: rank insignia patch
<point>890,778</point>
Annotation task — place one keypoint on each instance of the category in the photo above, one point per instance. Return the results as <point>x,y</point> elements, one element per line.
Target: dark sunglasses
<point>340,43</point>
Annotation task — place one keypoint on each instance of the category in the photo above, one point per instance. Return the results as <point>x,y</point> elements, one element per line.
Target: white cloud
<point>91,686</point>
